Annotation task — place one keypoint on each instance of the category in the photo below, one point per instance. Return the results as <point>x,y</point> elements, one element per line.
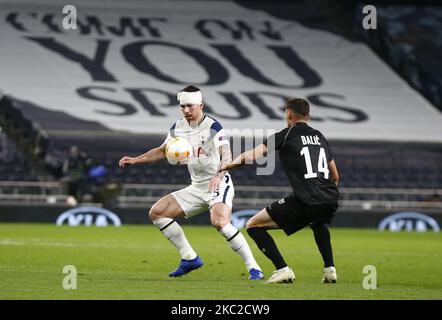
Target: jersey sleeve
<point>275,141</point>
<point>328,151</point>
<point>170,135</point>
<point>218,135</point>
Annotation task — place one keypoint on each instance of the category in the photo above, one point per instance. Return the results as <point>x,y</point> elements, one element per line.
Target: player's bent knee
<point>152,215</point>
<point>219,224</point>
<point>155,212</point>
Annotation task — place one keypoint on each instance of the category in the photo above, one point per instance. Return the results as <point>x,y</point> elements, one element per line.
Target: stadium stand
<point>14,166</point>
<point>411,42</point>
<point>110,88</point>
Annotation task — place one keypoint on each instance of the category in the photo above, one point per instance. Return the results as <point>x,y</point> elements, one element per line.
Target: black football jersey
<point>305,153</point>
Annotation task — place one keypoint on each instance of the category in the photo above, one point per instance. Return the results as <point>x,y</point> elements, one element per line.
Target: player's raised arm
<point>246,158</point>
<point>334,175</point>
<point>153,155</point>
<point>150,156</point>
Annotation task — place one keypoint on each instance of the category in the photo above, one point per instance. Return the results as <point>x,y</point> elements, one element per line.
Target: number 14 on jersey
<point>322,163</point>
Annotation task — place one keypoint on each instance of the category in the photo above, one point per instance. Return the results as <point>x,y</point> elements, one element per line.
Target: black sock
<point>322,238</point>
<point>267,246</point>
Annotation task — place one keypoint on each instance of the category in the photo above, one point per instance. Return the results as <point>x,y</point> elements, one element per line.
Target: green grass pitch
<point>132,262</point>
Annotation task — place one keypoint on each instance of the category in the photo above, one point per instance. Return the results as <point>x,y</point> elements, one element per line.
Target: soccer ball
<point>178,150</point>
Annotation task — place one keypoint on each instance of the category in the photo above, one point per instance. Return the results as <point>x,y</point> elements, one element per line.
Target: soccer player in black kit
<point>307,160</point>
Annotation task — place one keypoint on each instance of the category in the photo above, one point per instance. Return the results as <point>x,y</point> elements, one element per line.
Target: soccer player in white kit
<point>210,188</point>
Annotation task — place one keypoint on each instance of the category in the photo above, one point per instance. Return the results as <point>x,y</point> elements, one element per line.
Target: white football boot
<point>329,275</point>
<point>284,275</point>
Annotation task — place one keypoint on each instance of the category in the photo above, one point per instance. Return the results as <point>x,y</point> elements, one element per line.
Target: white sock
<point>239,244</point>
<point>172,231</point>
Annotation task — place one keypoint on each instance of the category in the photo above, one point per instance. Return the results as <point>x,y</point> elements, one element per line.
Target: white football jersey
<point>205,137</point>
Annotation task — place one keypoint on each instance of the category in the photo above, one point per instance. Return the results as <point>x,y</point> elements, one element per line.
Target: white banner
<point>126,61</point>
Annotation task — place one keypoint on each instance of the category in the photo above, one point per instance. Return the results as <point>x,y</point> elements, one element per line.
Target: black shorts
<point>292,215</point>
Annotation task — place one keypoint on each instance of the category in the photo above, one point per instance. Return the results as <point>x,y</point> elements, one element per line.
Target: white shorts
<point>197,198</point>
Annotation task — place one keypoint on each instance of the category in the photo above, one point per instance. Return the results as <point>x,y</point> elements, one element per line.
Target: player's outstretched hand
<point>125,161</point>
<point>214,183</point>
